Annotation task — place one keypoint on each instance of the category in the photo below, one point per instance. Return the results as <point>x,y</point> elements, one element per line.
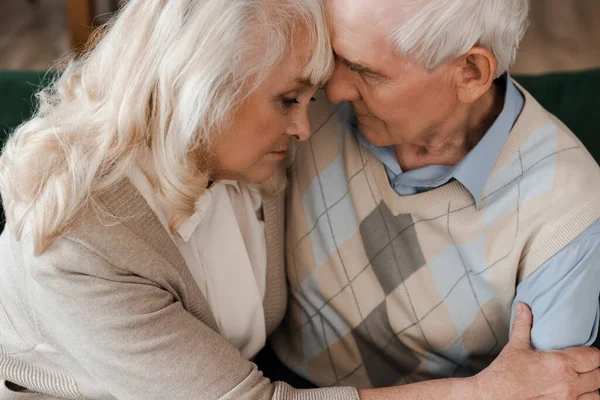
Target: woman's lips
<point>281,154</point>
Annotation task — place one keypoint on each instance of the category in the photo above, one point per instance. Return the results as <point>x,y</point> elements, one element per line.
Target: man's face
<point>395,101</point>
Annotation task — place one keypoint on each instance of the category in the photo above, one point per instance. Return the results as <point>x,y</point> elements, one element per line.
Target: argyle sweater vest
<point>389,289</point>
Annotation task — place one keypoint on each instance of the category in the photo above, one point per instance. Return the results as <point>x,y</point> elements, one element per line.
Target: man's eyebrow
<point>360,68</point>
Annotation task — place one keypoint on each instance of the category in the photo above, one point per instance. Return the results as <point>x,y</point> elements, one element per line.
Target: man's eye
<point>362,72</point>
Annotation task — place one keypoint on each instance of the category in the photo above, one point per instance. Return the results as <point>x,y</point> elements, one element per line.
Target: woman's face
<point>259,136</point>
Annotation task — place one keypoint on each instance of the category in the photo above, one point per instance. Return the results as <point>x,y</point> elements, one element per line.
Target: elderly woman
<point>134,262</point>
<point>143,253</point>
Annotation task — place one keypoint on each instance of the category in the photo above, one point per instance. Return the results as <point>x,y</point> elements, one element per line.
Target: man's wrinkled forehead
<point>361,28</point>
<point>371,15</point>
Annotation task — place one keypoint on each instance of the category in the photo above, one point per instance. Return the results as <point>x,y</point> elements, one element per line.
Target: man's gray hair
<point>434,31</point>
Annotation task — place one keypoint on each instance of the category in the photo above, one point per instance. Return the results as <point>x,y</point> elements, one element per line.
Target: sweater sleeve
<point>134,338</point>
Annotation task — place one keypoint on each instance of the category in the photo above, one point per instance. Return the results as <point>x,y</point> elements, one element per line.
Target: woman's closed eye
<point>289,102</point>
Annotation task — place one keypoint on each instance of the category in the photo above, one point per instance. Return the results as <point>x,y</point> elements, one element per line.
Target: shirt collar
<point>203,205</point>
<point>189,226</point>
<point>141,176</point>
<point>473,170</point>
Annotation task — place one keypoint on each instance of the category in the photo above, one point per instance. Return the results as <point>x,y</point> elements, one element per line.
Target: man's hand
<point>520,372</point>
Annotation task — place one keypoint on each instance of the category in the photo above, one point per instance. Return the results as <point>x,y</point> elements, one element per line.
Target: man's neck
<point>452,141</point>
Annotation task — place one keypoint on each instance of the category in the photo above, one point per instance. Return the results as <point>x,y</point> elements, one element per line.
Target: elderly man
<point>436,196</point>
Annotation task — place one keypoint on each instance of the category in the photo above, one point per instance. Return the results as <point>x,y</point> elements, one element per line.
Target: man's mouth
<point>362,111</point>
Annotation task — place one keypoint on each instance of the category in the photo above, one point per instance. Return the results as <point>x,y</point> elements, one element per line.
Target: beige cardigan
<point>110,310</point>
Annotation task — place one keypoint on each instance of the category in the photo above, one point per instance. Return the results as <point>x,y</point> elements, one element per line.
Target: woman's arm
<point>133,336</point>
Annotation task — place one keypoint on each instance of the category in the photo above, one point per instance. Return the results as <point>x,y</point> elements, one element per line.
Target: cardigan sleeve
<point>136,340</point>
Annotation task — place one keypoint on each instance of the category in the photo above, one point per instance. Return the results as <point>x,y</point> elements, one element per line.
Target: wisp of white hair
<point>164,77</point>
<point>434,31</point>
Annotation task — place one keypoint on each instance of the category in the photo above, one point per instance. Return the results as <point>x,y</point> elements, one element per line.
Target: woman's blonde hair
<point>164,77</point>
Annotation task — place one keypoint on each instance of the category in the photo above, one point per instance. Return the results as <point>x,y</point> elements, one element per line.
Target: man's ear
<point>474,74</point>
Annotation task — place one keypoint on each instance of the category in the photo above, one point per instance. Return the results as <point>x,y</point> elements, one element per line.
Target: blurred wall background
<point>564,34</point>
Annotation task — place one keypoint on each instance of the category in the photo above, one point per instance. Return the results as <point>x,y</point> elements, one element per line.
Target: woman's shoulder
<point>116,231</point>
<point>93,244</point>
<point>121,229</point>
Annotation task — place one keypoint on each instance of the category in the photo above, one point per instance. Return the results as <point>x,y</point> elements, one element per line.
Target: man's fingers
<point>520,336</point>
<point>589,396</point>
<point>583,359</point>
<point>589,382</point>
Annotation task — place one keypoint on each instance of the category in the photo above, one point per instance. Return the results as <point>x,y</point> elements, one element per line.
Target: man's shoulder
<point>541,144</point>
<point>535,119</point>
<point>552,180</point>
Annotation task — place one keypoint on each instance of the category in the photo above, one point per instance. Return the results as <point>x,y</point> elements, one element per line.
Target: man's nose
<point>340,86</point>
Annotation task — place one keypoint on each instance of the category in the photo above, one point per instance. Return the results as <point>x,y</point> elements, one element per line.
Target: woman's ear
<point>475,73</point>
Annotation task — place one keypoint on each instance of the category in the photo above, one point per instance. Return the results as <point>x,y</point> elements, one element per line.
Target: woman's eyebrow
<point>304,82</point>
<point>300,84</point>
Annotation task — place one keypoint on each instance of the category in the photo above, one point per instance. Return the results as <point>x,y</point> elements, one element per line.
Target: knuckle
<point>591,355</point>
<point>594,357</point>
<point>560,363</point>
<point>570,393</point>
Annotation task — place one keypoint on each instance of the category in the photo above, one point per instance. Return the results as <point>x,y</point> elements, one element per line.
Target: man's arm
<point>563,294</point>
<point>519,372</point>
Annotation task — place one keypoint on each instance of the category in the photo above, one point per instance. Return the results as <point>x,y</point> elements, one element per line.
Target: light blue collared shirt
<point>563,292</point>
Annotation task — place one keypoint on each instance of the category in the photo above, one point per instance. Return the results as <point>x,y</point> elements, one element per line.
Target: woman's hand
<point>520,372</point>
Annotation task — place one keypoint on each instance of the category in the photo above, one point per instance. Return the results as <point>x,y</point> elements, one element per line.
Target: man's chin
<point>371,127</point>
<point>374,136</point>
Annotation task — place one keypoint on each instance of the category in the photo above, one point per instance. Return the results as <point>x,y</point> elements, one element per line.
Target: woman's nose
<point>300,128</point>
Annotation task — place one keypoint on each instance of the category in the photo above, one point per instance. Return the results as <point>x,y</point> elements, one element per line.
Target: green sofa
<point>573,97</point>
